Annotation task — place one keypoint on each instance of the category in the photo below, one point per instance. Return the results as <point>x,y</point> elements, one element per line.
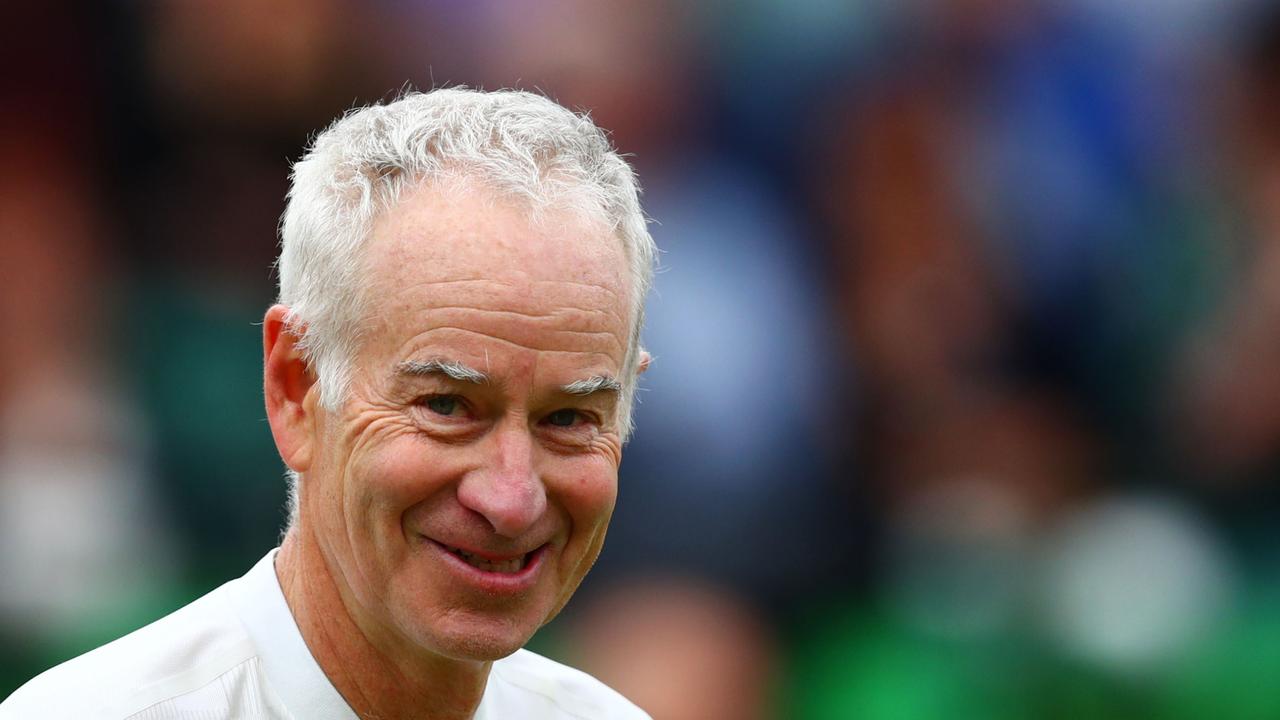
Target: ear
<point>645,359</point>
<point>287,383</point>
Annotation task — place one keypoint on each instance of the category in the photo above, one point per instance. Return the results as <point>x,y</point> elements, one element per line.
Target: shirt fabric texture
<point>237,654</point>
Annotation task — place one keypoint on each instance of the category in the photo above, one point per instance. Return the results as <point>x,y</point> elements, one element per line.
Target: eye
<point>563,418</point>
<point>443,404</point>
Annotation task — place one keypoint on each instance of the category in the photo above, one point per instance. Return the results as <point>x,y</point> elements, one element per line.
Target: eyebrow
<point>439,366</point>
<point>591,385</point>
<point>464,373</point>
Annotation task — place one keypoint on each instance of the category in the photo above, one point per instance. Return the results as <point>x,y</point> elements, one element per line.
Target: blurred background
<point>967,393</point>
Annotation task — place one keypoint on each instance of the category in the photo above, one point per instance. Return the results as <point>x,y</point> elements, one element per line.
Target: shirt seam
<point>211,681</point>
<point>130,710</point>
<point>505,676</point>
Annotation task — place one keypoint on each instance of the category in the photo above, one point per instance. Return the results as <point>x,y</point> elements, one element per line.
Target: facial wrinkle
<point>513,343</point>
<point>550,315</point>
<point>490,287</point>
<point>595,287</point>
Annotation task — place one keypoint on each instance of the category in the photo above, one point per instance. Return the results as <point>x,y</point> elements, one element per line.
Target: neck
<point>379,675</point>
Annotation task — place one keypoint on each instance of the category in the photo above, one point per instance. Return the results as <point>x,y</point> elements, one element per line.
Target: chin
<point>480,649</point>
<point>476,645</point>
<point>479,637</point>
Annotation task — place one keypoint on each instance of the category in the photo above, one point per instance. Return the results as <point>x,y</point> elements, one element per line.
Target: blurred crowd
<point>966,400</point>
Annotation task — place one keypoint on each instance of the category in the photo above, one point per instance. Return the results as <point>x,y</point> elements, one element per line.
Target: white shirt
<point>237,654</point>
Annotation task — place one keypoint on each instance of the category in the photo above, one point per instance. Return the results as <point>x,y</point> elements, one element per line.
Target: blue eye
<point>442,404</point>
<point>563,418</point>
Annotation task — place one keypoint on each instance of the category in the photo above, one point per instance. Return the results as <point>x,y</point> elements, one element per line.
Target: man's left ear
<point>287,384</point>
<point>645,359</point>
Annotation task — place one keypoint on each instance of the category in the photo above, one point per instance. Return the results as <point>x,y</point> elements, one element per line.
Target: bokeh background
<point>967,392</point>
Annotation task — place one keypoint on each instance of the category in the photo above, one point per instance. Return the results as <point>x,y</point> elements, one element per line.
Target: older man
<point>448,377</point>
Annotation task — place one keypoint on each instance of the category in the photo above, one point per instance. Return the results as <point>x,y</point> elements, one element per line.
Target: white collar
<point>293,672</point>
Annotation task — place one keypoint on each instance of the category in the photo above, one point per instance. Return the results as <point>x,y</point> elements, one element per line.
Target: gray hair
<point>518,144</point>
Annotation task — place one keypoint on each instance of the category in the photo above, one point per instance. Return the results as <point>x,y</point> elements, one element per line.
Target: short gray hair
<point>516,143</point>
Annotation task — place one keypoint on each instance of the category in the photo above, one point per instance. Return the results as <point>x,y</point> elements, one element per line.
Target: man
<point>448,377</point>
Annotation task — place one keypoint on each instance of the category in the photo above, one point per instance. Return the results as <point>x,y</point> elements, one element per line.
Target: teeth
<point>513,565</point>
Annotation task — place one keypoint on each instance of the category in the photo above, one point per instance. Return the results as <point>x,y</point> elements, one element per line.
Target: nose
<point>504,489</point>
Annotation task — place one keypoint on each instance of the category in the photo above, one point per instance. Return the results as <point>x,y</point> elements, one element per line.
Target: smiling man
<point>448,376</point>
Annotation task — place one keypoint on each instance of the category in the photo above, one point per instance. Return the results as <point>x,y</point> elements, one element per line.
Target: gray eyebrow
<point>438,366</point>
<point>593,384</point>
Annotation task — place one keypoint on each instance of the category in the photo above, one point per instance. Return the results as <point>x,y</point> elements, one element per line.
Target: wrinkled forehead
<point>452,229</point>
<point>473,258</point>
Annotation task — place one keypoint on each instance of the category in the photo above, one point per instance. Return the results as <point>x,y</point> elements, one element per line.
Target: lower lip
<point>493,582</point>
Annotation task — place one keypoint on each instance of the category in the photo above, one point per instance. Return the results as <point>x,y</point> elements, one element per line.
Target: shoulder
<point>528,680</point>
<point>179,653</point>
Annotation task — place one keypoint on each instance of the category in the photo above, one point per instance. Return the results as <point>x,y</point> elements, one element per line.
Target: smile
<point>508,566</point>
<point>490,572</point>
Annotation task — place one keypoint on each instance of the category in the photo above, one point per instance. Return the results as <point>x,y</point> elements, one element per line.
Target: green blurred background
<point>966,401</point>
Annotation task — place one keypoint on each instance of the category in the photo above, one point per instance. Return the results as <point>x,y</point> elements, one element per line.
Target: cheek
<point>402,472</point>
<point>381,473</point>
<point>589,497</point>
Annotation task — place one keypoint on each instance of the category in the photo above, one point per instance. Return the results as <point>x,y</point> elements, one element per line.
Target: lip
<point>491,582</point>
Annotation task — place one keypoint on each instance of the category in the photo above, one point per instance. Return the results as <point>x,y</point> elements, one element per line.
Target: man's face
<point>463,491</point>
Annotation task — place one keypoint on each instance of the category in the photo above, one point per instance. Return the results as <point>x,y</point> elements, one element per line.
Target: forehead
<point>461,268</point>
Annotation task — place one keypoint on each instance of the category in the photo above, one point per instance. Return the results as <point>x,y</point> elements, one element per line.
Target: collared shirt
<point>236,653</point>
